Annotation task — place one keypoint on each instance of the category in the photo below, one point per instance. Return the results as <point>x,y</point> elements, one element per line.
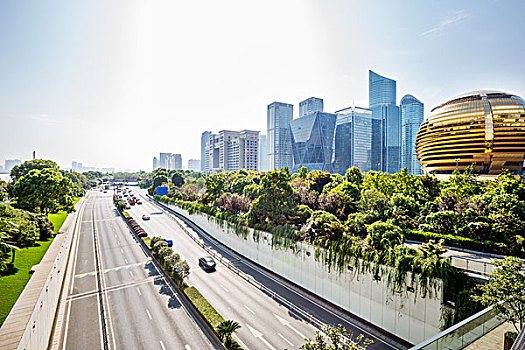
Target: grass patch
<point>147,241</point>
<point>13,281</point>
<point>210,314</point>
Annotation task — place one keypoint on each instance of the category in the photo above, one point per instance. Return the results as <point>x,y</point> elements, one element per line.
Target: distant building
<point>194,164</point>
<point>386,124</point>
<point>176,161</point>
<point>312,141</point>
<point>263,153</point>
<point>169,161</point>
<point>232,150</point>
<point>11,163</point>
<point>155,163</point>
<point>353,139</point>
<point>310,105</point>
<point>204,140</point>
<point>108,170</point>
<point>76,166</point>
<point>164,160</point>
<point>279,116</point>
<point>412,115</point>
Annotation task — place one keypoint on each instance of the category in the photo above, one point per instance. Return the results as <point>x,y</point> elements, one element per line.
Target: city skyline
<point>83,90</point>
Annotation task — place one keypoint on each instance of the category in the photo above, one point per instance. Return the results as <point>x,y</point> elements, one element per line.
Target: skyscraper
<point>155,163</point>
<point>194,164</point>
<point>279,142</point>
<point>312,141</point>
<point>353,139</point>
<point>176,161</point>
<point>386,124</point>
<point>164,160</point>
<point>263,153</point>
<point>412,114</point>
<point>310,105</point>
<point>204,139</point>
<point>232,150</point>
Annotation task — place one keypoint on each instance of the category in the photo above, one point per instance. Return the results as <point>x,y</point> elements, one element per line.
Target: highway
<point>128,305</point>
<point>266,324</point>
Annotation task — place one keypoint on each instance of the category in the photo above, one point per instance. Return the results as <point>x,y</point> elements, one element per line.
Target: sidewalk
<point>16,322</point>
<point>492,340</point>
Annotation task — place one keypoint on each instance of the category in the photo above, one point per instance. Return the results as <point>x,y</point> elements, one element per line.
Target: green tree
<point>37,164</point>
<point>3,191</point>
<point>383,236</point>
<point>318,179</point>
<point>43,190</point>
<point>354,176</point>
<point>214,187</point>
<point>225,331</point>
<point>336,338</point>
<point>178,178</point>
<point>506,285</point>
<point>322,223</point>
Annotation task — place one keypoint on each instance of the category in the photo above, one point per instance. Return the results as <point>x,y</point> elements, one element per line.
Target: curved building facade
<point>485,128</point>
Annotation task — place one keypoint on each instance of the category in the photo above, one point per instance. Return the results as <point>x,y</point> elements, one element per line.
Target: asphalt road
<point>141,311</point>
<point>265,323</point>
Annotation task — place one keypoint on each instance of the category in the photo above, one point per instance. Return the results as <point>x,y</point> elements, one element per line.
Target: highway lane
<point>265,323</point>
<point>141,310</point>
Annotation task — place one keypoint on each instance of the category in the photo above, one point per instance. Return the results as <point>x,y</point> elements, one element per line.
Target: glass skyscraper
<point>412,114</point>
<point>312,141</point>
<point>204,139</point>
<point>310,105</point>
<point>279,143</point>
<point>386,124</point>
<point>353,139</point>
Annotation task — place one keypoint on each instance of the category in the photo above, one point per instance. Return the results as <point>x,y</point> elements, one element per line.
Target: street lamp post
<point>457,161</point>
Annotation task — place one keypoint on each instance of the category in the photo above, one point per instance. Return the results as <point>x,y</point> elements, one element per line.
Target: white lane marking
<point>131,273</point>
<point>138,291</point>
<point>126,260</point>
<point>223,287</point>
<point>187,347</point>
<point>286,340</point>
<point>287,324</point>
<point>149,315</point>
<point>118,242</point>
<point>247,308</point>
<point>259,335</point>
<point>115,236</point>
<point>240,342</point>
<point>162,345</point>
<point>121,251</point>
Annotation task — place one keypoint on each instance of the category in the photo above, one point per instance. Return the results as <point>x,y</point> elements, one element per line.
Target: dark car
<point>145,217</point>
<point>139,202</point>
<point>207,263</point>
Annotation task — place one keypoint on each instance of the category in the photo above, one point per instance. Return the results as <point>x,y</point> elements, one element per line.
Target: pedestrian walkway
<point>492,340</point>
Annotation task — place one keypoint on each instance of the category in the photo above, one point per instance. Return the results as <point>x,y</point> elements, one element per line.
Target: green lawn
<point>13,281</point>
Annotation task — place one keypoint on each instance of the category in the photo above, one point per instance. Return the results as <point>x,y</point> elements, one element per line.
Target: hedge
<point>207,311</point>
<point>455,241</point>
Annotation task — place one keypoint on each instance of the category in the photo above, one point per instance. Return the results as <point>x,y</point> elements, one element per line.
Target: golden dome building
<point>482,127</point>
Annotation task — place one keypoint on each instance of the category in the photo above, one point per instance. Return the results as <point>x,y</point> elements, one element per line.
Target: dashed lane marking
<point>93,273</point>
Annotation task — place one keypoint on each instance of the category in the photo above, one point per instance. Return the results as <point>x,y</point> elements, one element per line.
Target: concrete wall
<point>407,314</point>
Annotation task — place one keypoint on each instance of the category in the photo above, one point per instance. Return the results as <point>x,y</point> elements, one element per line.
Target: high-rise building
<point>232,150</point>
<point>194,164</point>
<point>176,162</point>
<point>386,124</point>
<point>278,137</point>
<point>263,153</point>
<point>204,140</point>
<point>312,141</point>
<point>310,105</point>
<point>353,139</point>
<point>412,114</point>
<point>155,163</point>
<point>76,166</point>
<point>164,160</point>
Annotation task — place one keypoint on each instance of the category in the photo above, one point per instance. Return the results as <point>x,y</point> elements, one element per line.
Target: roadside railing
<point>464,333</point>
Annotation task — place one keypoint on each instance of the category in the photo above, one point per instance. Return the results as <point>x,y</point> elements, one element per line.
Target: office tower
<point>312,141</point>
<point>263,153</point>
<point>232,150</point>
<point>164,160</point>
<point>155,163</point>
<point>386,124</point>
<point>412,114</point>
<point>77,167</point>
<point>310,105</point>
<point>194,164</point>
<point>204,140</point>
<point>176,161</point>
<point>353,139</point>
<point>279,141</point>
<point>34,155</point>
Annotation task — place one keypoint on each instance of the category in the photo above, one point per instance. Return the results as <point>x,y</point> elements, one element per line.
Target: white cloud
<point>453,18</point>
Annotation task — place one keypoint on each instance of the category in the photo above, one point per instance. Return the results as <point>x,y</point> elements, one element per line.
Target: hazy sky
<point>113,83</point>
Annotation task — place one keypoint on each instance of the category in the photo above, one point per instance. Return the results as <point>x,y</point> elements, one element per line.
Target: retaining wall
<point>407,315</point>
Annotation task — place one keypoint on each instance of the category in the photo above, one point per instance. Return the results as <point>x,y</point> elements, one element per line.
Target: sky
<point>113,83</point>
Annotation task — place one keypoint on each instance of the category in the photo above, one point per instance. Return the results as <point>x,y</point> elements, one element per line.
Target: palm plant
<point>225,332</point>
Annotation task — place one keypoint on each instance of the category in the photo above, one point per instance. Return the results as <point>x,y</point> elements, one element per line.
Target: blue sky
<point>112,83</point>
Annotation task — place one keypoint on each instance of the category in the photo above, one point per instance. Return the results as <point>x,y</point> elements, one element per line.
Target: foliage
<point>43,190</point>
<point>506,291</point>
<point>178,178</point>
<point>204,307</point>
<point>225,332</point>
<point>37,164</point>
<point>3,190</point>
<point>336,338</point>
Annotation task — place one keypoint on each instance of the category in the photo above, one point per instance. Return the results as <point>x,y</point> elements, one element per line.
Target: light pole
<point>457,161</point>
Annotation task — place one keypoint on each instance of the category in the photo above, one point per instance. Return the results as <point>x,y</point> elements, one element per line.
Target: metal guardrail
<point>464,333</point>
<point>298,311</point>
